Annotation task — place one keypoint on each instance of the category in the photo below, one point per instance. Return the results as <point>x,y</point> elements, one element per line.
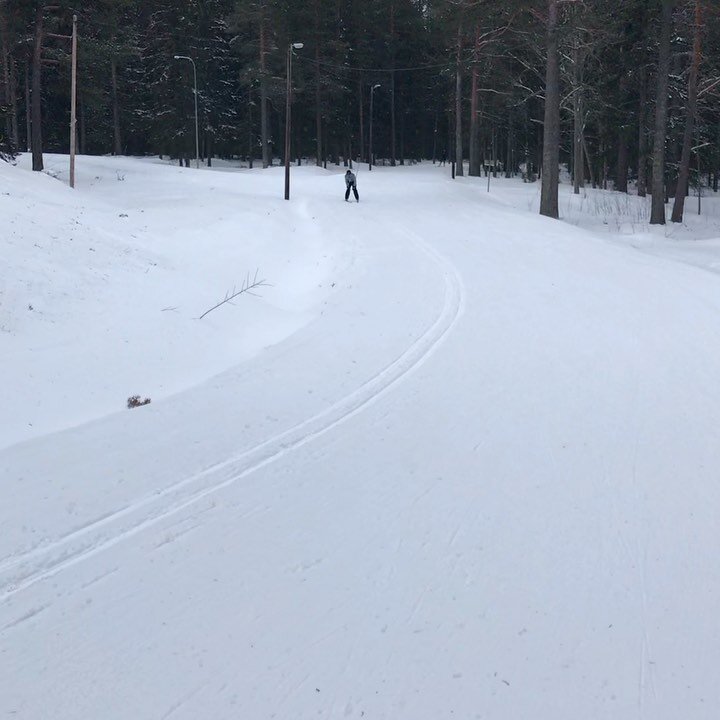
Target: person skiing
<point>351,184</point>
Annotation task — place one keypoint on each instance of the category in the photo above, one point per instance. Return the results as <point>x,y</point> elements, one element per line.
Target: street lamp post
<point>197,132</point>
<point>292,46</point>
<point>370,158</point>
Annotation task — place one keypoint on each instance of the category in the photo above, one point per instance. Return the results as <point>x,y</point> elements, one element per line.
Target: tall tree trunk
<point>578,117</point>
<point>588,161</point>
<point>435,130</point>
<point>642,135</point>
<point>474,144</point>
<point>539,134</point>
<point>264,119</point>
<point>402,129</point>
<point>318,114</point>
<point>673,145</point>
<point>623,160</point>
<point>458,106</point>
<point>318,89</point>
<point>9,80</point>
<point>4,63</point>
<point>37,156</point>
<point>509,169</point>
<point>657,215</point>
<point>117,137</point>
<point>602,160</point>
<point>578,139</point>
<point>684,169</point>
<point>28,111</point>
<point>551,135</point>
<point>392,84</point>
<point>494,152</point>
<point>393,132</point>
<point>14,131</point>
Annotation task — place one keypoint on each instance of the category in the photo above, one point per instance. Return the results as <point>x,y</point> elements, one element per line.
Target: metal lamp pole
<point>197,132</point>
<point>288,98</point>
<point>370,158</point>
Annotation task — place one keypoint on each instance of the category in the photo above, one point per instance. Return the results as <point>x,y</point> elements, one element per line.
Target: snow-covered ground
<point>457,460</point>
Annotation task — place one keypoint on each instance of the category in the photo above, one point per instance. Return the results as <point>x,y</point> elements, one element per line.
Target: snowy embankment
<point>459,461</point>
<point>102,288</point>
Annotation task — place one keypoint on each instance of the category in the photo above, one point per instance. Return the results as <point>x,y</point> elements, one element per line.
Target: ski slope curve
<point>20,572</point>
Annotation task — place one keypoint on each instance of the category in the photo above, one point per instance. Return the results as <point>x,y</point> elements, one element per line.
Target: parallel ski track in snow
<point>19,572</point>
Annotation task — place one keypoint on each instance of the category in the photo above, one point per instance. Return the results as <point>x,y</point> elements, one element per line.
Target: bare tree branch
<point>247,288</point>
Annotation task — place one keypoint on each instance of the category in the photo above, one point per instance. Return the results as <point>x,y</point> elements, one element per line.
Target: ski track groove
<point>19,572</point>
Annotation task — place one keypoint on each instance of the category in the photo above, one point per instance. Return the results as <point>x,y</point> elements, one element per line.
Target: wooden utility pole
<point>73,103</point>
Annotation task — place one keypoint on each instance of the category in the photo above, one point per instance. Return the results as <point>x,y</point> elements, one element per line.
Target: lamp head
<point>375,87</point>
<point>297,46</point>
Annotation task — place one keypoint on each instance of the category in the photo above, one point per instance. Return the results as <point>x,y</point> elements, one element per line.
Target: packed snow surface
<point>453,460</point>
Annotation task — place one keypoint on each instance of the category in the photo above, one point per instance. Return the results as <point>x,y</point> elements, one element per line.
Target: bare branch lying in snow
<point>247,288</point>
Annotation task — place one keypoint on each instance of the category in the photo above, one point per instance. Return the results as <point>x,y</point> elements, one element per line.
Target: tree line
<point>618,94</point>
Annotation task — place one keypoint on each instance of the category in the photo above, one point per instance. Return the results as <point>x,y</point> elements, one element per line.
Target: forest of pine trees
<point>619,94</point>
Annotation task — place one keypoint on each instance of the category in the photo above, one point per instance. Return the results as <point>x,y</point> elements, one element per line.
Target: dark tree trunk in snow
<point>117,137</point>
<point>474,140</point>
<point>578,142</point>
<point>642,136</point>
<point>590,169</point>
<point>36,101</point>
<point>9,81</point>
<point>14,131</point>
<point>623,159</point>
<point>657,214</point>
<point>28,110</point>
<point>551,135</point>
<point>318,89</point>
<point>509,165</point>
<point>458,107</point>
<point>392,85</point>
<point>684,169</point>
<point>578,117</point>
<point>264,115</point>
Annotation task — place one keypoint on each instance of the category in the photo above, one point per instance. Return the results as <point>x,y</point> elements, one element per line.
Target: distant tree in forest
<point>7,148</point>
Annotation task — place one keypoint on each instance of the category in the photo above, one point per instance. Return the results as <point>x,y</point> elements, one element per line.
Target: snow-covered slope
<point>101,289</point>
<point>473,474</point>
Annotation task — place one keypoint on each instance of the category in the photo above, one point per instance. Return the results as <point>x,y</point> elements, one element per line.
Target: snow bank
<point>102,286</point>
